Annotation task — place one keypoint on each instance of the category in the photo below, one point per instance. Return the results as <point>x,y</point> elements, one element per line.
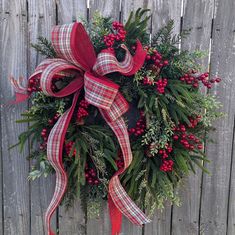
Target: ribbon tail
<point>54,155</point>
<point>119,196</point>
<point>115,217</point>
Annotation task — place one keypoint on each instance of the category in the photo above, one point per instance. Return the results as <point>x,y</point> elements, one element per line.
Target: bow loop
<point>59,68</point>
<point>72,43</point>
<point>107,62</point>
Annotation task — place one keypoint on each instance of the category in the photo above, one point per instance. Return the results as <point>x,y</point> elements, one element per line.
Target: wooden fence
<point>208,200</point>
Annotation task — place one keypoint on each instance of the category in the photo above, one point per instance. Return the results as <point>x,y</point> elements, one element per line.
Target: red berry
<point>200,146</point>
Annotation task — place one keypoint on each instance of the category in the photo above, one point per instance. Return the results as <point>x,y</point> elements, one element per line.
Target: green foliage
<point>44,47</point>
<point>136,27</point>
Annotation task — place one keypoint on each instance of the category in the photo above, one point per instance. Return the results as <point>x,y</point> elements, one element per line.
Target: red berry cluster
<point>45,131</point>
<point>82,110</point>
<point>204,78</point>
<point>119,35</point>
<point>120,163</point>
<point>53,120</point>
<point>189,141</point>
<point>156,58</point>
<point>160,85</point>
<point>91,176</point>
<point>167,165</point>
<point>44,135</point>
<point>68,148</point>
<point>140,126</point>
<point>165,152</point>
<point>34,84</point>
<point>147,81</point>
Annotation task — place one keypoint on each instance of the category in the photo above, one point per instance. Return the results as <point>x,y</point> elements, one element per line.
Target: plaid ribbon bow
<point>77,57</point>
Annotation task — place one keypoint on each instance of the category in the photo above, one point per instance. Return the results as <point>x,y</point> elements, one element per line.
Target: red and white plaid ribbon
<point>77,57</point>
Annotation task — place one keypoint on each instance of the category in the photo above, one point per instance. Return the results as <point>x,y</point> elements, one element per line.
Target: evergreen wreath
<point>169,117</point>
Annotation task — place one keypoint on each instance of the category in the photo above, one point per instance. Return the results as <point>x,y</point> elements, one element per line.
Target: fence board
<point>72,221</point>
<point>71,10</point>
<point>42,15</point>
<point>15,167</point>
<point>106,8</point>
<point>197,16</point>
<point>162,12</point>
<point>1,156</point>
<point>231,201</point>
<point>215,190</point>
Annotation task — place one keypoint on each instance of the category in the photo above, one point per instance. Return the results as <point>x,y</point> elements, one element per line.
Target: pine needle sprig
<point>44,47</point>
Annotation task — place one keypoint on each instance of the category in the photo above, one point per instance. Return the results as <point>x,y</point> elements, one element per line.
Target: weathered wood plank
<point>231,201</point>
<point>1,156</point>
<point>71,10</point>
<point>106,8</point>
<point>132,5</point>
<point>215,188</point>
<point>161,223</point>
<point>15,166</point>
<point>41,17</point>
<point>197,16</point>
<point>162,12</point>
<point>71,222</point>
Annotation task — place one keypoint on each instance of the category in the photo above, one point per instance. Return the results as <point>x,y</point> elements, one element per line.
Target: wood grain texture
<point>1,103</point>
<point>71,222</point>
<point>41,18</point>
<point>161,223</point>
<point>231,201</point>
<point>105,7</point>
<point>15,166</point>
<point>100,225</point>
<point>163,11</point>
<point>197,16</point>
<point>71,10</point>
<point>215,188</point>
<point>131,5</point>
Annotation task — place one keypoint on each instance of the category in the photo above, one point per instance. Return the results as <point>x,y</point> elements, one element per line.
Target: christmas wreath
<point>118,116</point>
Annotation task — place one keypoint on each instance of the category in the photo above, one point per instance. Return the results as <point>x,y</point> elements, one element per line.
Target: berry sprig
<point>68,148</point>
<point>194,80</point>
<point>82,110</point>
<point>34,85</point>
<point>140,126</point>
<point>119,34</point>
<point>188,140</point>
<point>147,81</point>
<point>91,176</point>
<point>155,57</point>
<point>46,130</point>
<point>160,85</point>
<point>167,165</point>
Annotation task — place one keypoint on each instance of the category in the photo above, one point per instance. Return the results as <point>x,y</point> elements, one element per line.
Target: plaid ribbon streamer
<point>77,57</point>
